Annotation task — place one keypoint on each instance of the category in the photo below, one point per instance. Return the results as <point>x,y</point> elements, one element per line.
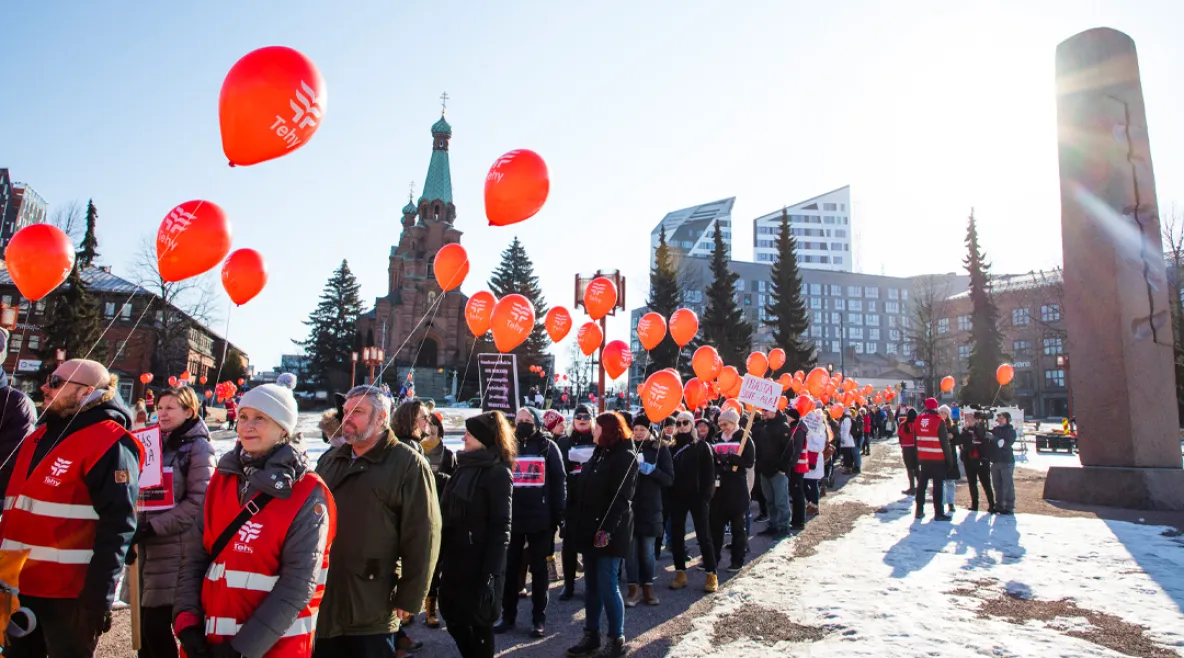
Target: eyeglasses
<point>683,423</point>
<point>56,382</point>
<point>582,417</point>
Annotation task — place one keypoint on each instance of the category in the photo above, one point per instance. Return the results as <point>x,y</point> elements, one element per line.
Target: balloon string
<point>225,344</point>
<point>468,363</point>
<point>414,361</point>
<point>147,307</point>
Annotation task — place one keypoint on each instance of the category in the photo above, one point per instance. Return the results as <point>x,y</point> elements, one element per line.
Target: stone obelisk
<point>1115,288</point>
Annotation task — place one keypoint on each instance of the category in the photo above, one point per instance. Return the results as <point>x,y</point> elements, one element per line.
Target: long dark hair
<point>613,429</point>
<point>405,424</point>
<point>505,446</point>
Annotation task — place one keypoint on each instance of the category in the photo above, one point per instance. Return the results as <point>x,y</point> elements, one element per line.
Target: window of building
<point>871,292</point>
<point>855,319</point>
<point>904,295</point>
<point>836,290</point>
<point>838,304</point>
<point>873,334</point>
<point>748,300</point>
<point>815,302</point>
<point>855,332</point>
<point>871,320</point>
<point>894,334</point>
<point>963,352</point>
<point>1021,347</point>
<point>858,348</point>
<point>819,317</point>
<point>963,323</point>
<point>893,293</point>
<point>6,300</point>
<point>1053,346</point>
<point>891,320</point>
<point>836,318</point>
<point>125,311</point>
<point>830,206</point>
<point>1050,313</point>
<point>109,309</point>
<point>15,343</point>
<point>907,350</point>
<point>871,348</point>
<point>1019,316</point>
<point>760,285</point>
<point>1054,378</point>
<point>854,305</point>
<point>34,342</point>
<point>838,260</point>
<point>815,289</point>
<point>1023,379</point>
<point>854,291</point>
<point>24,306</point>
<point>739,285</point>
<point>815,331</point>
<point>943,326</point>
<point>871,307</point>
<point>905,322</point>
<point>890,348</point>
<point>39,307</point>
<point>892,307</point>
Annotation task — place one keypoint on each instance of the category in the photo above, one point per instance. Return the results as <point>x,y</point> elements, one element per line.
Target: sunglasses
<point>582,417</point>
<point>683,423</point>
<point>56,382</point>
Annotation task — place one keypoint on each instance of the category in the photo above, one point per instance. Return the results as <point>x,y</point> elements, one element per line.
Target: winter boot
<point>614,647</point>
<point>569,591</point>
<point>587,646</point>
<point>811,509</point>
<point>552,570</point>
<point>633,597</point>
<point>680,579</point>
<point>712,584</point>
<point>648,592</point>
<point>431,620</point>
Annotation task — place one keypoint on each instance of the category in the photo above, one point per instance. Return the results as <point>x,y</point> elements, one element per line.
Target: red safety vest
<point>49,511</point>
<point>928,444</point>
<point>244,573</point>
<point>803,465</point>
<point>906,434</point>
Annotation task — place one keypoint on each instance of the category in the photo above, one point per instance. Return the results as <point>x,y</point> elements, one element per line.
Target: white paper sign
<point>760,393</point>
<point>151,475</point>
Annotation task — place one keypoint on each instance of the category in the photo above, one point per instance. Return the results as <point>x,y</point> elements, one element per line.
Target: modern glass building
<point>691,231</point>
<point>822,227</point>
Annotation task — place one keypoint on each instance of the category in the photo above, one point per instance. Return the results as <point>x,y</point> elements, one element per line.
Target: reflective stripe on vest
<point>926,435</point>
<point>49,553</point>
<point>253,581</point>
<point>228,627</point>
<point>56,510</point>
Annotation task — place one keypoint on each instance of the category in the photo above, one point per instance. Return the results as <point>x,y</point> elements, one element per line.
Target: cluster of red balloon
<point>538,370</point>
<point>663,391</point>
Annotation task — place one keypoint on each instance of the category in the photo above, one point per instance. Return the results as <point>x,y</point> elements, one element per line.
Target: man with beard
<point>577,449</point>
<point>71,501</point>
<point>388,532</point>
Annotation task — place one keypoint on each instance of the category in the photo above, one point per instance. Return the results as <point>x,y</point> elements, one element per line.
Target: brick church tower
<point>408,323</point>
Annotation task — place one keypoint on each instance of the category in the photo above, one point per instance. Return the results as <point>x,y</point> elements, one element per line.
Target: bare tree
<point>71,218</point>
<point>928,330</point>
<point>582,370</point>
<point>1172,227</point>
<point>178,307</point>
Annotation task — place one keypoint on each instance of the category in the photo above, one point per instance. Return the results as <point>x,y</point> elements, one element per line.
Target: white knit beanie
<point>276,402</point>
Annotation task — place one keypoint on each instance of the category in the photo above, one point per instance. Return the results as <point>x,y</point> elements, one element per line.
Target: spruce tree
<point>72,323</point>
<point>665,298</point>
<point>986,351</point>
<point>515,276</point>
<point>332,326</point>
<point>88,251</point>
<point>723,325</point>
<point>786,312</point>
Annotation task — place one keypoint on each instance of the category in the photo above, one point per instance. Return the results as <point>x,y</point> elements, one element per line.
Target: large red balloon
<point>512,322</point>
<point>589,337</point>
<point>617,358</point>
<point>729,378</point>
<point>557,323</point>
<point>1004,374</point>
<point>451,266</point>
<point>192,239</point>
<point>776,358</point>
<point>706,363</point>
<point>661,395</point>
<point>695,393</point>
<point>516,187</point>
<point>243,275</point>
<point>479,312</point>
<point>39,258</point>
<point>600,297</point>
<point>758,364</point>
<point>651,329</point>
<point>684,324</point>
<point>272,101</point>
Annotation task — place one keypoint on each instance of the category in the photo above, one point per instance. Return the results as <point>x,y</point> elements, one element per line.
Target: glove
<point>92,621</point>
<point>732,460</point>
<point>193,641</point>
<point>645,467</point>
<point>224,650</point>
<point>813,459</point>
<point>1000,443</point>
<point>131,556</point>
<point>143,531</point>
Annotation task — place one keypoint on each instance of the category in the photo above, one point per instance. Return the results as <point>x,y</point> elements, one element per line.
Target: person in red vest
<point>254,565</point>
<point>933,457</point>
<point>231,412</point>
<point>908,450</point>
<point>71,502</point>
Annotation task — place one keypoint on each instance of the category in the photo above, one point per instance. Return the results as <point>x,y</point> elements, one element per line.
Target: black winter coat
<point>17,417</point>
<point>952,472</point>
<point>694,470</point>
<point>647,500</point>
<point>607,485</point>
<point>538,509</point>
<point>475,511</point>
<point>773,452</point>
<point>732,495</point>
<point>573,469</point>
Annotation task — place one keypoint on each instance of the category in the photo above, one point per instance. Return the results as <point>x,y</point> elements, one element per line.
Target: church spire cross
<point>443,103</point>
<point>411,191</point>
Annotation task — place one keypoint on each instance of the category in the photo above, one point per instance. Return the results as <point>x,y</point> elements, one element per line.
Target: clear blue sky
<point>925,108</point>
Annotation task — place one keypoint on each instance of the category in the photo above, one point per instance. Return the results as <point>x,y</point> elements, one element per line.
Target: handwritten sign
<point>152,475</point>
<point>726,448</point>
<point>530,471</point>
<point>760,393</point>
<point>499,383</point>
<point>158,499</point>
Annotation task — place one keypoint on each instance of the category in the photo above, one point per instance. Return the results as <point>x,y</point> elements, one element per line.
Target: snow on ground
<point>885,587</point>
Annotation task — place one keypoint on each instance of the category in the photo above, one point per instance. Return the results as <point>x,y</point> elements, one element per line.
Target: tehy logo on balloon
<point>305,113</point>
<point>477,306</point>
<point>494,174</point>
<point>520,317</point>
<point>760,393</point>
<point>174,225</point>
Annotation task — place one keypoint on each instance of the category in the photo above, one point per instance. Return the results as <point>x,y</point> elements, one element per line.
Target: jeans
<point>639,564</point>
<point>536,547</point>
<point>1002,476</point>
<point>776,490</point>
<point>811,489</point>
<point>739,537</point>
<point>922,486</point>
<point>471,640</point>
<point>979,471</point>
<point>678,534</point>
<point>156,633</point>
<point>361,646</point>
<point>797,496</point>
<point>604,593</point>
<point>57,633</point>
<point>947,489</point>
<point>858,459</point>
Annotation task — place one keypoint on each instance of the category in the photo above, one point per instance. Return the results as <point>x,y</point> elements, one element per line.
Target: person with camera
<point>1003,466</point>
<point>977,448</point>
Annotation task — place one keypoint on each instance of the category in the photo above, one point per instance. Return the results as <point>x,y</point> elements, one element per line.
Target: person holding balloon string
<point>690,494</point>
<point>731,501</point>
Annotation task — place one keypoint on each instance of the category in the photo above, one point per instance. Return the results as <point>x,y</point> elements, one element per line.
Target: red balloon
<point>241,381</point>
<point>209,394</point>
<point>185,376</point>
<point>192,239</point>
<point>451,266</point>
<point>776,358</point>
<point>947,384</point>
<point>695,393</point>
<point>202,380</point>
<point>272,101</point>
<point>512,322</point>
<point>600,297</point>
<point>661,395</point>
<point>479,312</point>
<point>243,275</point>
<point>782,403</point>
<point>733,403</point>
<point>589,337</point>
<point>145,378</point>
<point>803,404</point>
<point>557,323</point>
<point>729,378</point>
<point>651,329</point>
<point>706,363</point>
<point>617,358</point>
<point>172,381</point>
<point>39,258</point>
<point>684,324</point>
<point>1004,374</point>
<point>758,364</point>
<point>516,187</point>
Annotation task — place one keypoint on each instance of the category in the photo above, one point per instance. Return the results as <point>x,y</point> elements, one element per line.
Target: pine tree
<point>515,276</point>
<point>723,325</point>
<point>72,323</point>
<point>986,351</point>
<point>88,251</point>
<point>786,312</point>
<point>331,329</point>
<point>665,298</point>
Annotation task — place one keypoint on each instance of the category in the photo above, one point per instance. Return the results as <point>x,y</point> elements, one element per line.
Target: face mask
<point>524,430</point>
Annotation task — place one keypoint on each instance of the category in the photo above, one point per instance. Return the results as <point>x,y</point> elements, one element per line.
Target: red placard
<point>530,471</point>
<point>158,499</point>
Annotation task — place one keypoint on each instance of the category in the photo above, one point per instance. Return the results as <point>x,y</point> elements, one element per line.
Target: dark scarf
<point>274,472</point>
<point>462,486</point>
<point>177,437</point>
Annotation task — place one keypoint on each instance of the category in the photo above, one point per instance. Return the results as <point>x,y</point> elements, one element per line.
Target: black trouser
<point>356,646</point>
<point>759,496</point>
<point>678,533</point>
<point>909,454</point>
<point>811,490</point>
<point>536,546</point>
<point>156,633</point>
<point>57,634</point>
<point>922,485</point>
<point>979,470</point>
<point>472,639</point>
<point>571,559</point>
<point>797,499</point>
<point>719,517</point>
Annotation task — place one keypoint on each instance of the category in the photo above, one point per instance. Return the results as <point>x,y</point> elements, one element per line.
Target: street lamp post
<point>373,356</point>
<point>353,368</point>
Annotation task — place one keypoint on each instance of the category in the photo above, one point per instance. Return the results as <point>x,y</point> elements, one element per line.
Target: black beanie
<point>483,427</point>
<point>793,413</point>
<point>628,418</point>
<point>582,409</point>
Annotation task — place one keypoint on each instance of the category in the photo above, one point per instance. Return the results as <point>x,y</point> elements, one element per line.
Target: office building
<point>22,206</point>
<point>822,226</point>
<point>691,231</point>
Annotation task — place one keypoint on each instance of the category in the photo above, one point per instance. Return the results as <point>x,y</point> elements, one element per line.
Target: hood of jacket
<point>103,404</point>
